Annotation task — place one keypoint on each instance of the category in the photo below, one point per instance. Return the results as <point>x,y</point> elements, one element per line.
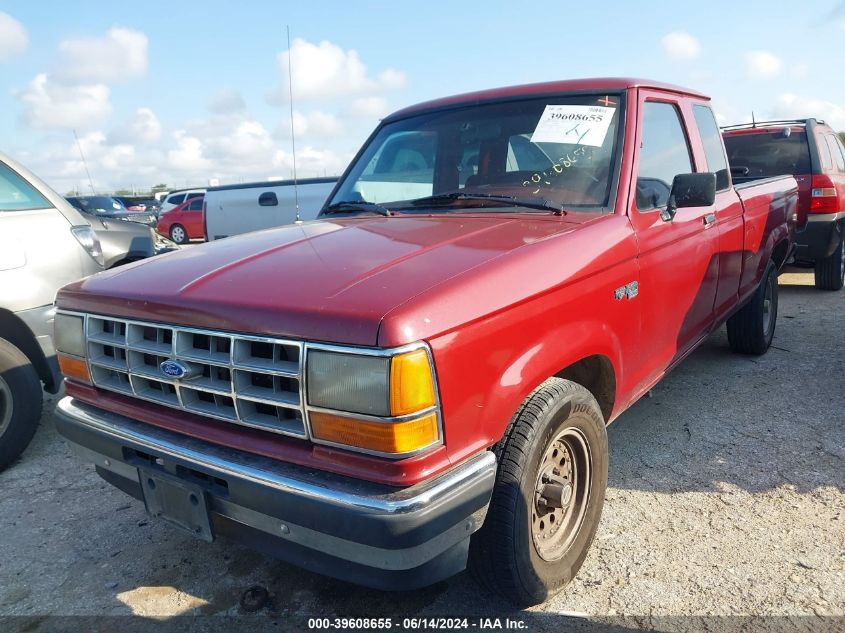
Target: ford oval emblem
<point>174,369</point>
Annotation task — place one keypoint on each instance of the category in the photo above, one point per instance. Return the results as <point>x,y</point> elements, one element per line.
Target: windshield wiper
<point>356,205</point>
<point>531,203</point>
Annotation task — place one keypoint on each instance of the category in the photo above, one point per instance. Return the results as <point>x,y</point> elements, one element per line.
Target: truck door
<point>678,258</point>
<point>730,222</point>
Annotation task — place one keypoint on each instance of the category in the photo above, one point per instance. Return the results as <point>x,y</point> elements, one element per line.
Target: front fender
<point>486,370</point>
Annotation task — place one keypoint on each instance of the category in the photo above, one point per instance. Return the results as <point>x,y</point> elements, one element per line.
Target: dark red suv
<point>810,150</point>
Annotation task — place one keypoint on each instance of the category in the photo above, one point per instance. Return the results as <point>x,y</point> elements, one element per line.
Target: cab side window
<point>18,195</point>
<point>664,153</point>
<point>177,199</point>
<point>711,138</point>
<point>196,205</point>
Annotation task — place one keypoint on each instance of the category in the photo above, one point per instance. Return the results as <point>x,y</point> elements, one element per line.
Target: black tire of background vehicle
<point>749,331</point>
<point>830,271</point>
<point>22,398</point>
<point>184,237</point>
<point>503,556</point>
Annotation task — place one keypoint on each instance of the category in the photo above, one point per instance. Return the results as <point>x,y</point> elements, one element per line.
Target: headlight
<point>69,340</point>
<point>90,242</point>
<point>381,404</point>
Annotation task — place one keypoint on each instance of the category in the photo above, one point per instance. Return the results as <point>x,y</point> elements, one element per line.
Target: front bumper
<point>366,533</point>
<point>820,237</point>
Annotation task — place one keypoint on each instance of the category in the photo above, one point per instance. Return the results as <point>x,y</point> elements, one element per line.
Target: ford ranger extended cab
<point>421,378</point>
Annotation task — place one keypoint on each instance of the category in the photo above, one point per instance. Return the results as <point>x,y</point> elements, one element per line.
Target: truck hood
<point>324,280</point>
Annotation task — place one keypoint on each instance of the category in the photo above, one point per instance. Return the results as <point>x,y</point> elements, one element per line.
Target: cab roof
<point>611,84</point>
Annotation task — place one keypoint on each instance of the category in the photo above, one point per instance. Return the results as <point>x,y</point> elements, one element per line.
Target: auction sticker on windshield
<point>576,124</point>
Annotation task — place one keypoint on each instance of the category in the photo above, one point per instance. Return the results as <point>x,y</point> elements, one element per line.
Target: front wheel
<point>830,271</point>
<point>178,234</point>
<point>20,402</point>
<point>548,496</point>
<point>750,331</point>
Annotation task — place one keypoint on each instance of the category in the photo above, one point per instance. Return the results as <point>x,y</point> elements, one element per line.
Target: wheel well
<point>779,253</point>
<point>18,334</point>
<point>597,375</point>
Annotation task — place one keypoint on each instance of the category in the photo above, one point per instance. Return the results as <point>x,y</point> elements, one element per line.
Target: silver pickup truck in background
<point>44,244</point>
<point>243,208</point>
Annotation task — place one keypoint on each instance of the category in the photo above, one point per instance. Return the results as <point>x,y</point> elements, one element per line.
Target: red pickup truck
<point>422,377</point>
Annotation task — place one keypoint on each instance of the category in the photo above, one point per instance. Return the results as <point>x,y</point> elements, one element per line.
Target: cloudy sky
<point>181,92</point>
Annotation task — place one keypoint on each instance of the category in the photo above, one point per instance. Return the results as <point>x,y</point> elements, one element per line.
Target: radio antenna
<point>292,139</point>
<point>84,162</point>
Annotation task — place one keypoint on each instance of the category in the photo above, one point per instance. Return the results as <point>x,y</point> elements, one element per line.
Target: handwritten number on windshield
<point>564,162</point>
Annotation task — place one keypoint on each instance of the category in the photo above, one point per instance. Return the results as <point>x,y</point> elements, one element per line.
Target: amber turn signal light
<point>74,368</point>
<point>411,383</point>
<point>381,437</point>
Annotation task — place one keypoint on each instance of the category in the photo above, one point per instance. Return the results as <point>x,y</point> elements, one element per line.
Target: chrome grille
<point>247,380</point>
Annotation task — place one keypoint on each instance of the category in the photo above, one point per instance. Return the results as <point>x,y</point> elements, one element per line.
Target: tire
<point>20,402</point>
<point>513,554</point>
<point>178,234</point>
<point>750,331</point>
<point>830,271</point>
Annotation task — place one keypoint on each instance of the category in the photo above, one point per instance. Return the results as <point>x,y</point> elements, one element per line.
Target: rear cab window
<point>16,194</point>
<point>766,152</point>
<point>664,153</point>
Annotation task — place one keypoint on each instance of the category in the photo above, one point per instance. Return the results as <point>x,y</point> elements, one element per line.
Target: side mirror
<point>690,190</point>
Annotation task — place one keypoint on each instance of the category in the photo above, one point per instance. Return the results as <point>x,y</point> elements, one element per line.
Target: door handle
<point>709,219</point>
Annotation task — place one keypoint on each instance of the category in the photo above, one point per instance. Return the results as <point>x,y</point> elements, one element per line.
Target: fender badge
<point>630,291</point>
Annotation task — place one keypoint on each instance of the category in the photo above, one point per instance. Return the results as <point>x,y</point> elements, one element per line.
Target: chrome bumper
<point>415,535</point>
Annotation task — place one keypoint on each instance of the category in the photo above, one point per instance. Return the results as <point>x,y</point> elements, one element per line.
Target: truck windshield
<point>559,149</point>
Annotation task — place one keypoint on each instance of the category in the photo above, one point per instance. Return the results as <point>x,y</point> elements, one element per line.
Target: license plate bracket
<point>180,503</point>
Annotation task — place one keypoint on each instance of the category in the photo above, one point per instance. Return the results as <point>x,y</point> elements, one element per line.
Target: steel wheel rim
<point>6,405</point>
<point>768,300</point>
<point>567,464</point>
<point>178,234</point>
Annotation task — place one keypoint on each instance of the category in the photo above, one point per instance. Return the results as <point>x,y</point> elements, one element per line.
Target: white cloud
<point>143,127</point>
<point>247,140</point>
<point>187,155</point>
<point>120,55</point>
<point>316,124</point>
<point>326,70</point>
<point>371,107</point>
<point>762,65</point>
<point>13,37</point>
<point>788,106</point>
<point>681,46</point>
<point>48,103</point>
<point>226,101</point>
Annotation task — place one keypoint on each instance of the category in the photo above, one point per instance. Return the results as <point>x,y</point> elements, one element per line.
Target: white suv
<point>175,198</point>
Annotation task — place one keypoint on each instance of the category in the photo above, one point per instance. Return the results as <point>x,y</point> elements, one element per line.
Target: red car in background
<point>811,151</point>
<point>184,222</point>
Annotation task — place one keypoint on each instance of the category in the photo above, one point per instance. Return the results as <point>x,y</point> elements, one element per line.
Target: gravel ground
<point>726,498</point>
